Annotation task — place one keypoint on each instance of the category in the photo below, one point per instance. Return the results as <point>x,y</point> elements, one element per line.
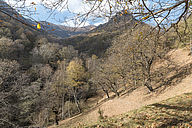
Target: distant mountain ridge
<point>64,31</point>
<point>117,22</point>
<point>113,27</point>
<point>50,28</point>
<point>9,11</point>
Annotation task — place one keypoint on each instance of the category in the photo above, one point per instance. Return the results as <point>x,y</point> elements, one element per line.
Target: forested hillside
<point>44,79</point>
<point>33,75</point>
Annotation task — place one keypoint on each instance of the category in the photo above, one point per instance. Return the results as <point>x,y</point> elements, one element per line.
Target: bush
<point>100,112</point>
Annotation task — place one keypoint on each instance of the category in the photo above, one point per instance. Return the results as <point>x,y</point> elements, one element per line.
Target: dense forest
<point>44,79</point>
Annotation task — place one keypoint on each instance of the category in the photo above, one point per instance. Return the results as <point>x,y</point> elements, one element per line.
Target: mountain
<point>8,11</point>
<point>64,31</point>
<point>118,22</point>
<point>97,40</point>
<point>50,28</point>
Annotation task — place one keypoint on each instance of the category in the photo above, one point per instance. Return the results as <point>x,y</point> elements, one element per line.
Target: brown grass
<point>140,97</point>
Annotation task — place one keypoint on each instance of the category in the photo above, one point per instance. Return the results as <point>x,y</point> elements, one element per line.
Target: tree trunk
<point>148,68</point>
<point>68,109</point>
<point>150,88</point>
<point>105,91</point>
<point>114,89</point>
<point>76,101</point>
<point>57,119</point>
<point>63,101</point>
<point>117,93</point>
<point>56,116</point>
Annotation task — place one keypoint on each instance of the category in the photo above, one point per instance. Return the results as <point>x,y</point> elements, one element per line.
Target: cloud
<point>98,9</point>
<point>81,6</point>
<point>16,3</point>
<point>98,23</point>
<point>76,6</point>
<point>74,23</point>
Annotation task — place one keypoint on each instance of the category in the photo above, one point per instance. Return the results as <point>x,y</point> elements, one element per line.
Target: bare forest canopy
<point>44,79</point>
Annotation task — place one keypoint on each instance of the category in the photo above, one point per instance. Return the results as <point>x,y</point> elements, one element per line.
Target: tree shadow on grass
<point>174,119</point>
<point>172,107</point>
<point>182,73</point>
<point>126,93</point>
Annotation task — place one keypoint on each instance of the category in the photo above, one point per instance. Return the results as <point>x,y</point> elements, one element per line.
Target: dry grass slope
<point>172,112</point>
<point>175,111</point>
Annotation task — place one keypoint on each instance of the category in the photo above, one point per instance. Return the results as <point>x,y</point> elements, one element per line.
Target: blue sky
<point>58,17</point>
<point>77,6</point>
